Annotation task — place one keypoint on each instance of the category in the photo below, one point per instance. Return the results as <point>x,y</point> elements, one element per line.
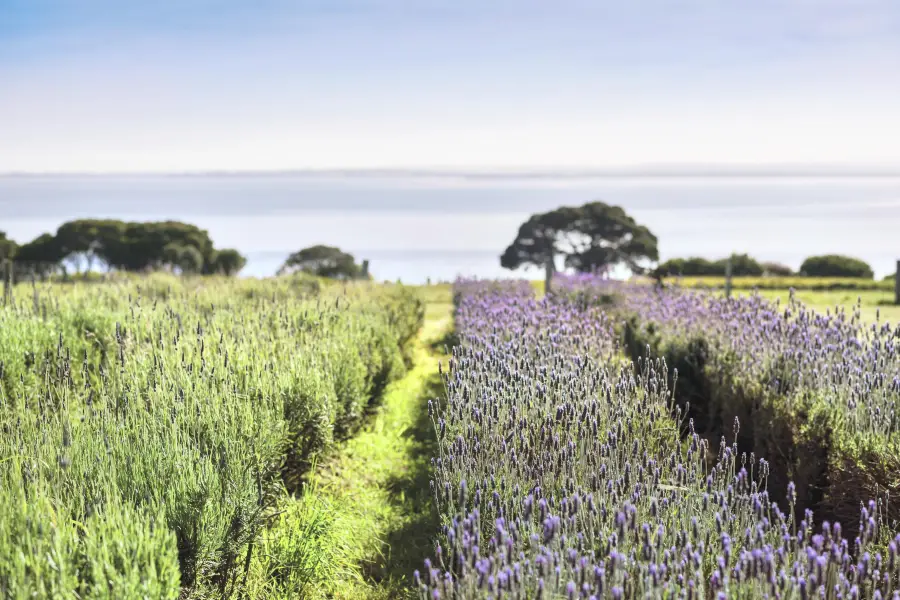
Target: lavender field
<point>611,441</point>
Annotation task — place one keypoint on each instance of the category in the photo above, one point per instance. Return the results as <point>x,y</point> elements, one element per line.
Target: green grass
<point>366,519</point>
<point>876,297</point>
<point>873,304</point>
<point>784,283</point>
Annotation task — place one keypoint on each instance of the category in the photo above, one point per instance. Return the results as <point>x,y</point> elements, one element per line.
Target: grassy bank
<point>366,519</point>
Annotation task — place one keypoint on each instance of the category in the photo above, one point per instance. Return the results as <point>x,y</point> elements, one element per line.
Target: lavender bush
<point>563,472</point>
<point>817,392</point>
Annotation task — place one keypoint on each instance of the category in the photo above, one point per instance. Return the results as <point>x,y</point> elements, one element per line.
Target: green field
<point>784,283</point>
<point>207,437</point>
<point>876,298</point>
<point>873,304</point>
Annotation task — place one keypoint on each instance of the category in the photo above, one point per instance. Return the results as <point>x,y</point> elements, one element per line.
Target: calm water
<point>417,227</point>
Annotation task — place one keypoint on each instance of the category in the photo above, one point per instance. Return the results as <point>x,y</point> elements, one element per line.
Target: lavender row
<point>852,365</point>
<point>818,392</point>
<point>562,473</point>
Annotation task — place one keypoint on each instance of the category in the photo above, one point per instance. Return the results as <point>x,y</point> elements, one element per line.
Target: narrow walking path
<point>376,519</point>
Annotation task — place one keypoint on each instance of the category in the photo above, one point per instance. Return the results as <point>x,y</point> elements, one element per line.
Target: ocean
<point>414,227</point>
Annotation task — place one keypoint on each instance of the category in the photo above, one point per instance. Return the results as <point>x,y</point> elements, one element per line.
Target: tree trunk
<point>549,269</point>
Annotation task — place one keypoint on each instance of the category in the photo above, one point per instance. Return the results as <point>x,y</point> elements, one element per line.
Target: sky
<point>196,85</point>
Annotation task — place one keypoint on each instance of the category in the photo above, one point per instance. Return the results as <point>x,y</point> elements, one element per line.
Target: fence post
<point>5,282</point>
<point>728,278</point>
<point>10,281</point>
<point>34,295</point>
<point>548,273</point>
<point>897,284</point>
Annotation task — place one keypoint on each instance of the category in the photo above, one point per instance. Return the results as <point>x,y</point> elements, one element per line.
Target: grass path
<point>367,517</point>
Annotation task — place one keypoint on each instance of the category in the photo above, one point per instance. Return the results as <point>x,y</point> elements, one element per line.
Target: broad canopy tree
<point>323,261</point>
<point>593,237</point>
<point>42,255</point>
<point>82,242</point>
<point>125,246</point>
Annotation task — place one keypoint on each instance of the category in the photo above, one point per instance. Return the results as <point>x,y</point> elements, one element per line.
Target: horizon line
<point>636,170</point>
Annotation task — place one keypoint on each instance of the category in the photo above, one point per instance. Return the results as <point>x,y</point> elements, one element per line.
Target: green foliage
<point>150,425</point>
<point>186,259</point>
<point>775,269</point>
<point>8,247</point>
<point>322,261</point>
<point>83,244</point>
<point>742,265</point>
<point>128,553</point>
<point>227,262</point>
<point>835,265</point>
<point>43,254</point>
<point>84,241</point>
<point>692,266</point>
<point>142,246</point>
<point>365,518</point>
<point>592,237</point>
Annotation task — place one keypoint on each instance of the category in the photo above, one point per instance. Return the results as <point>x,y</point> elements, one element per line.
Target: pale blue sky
<point>114,85</point>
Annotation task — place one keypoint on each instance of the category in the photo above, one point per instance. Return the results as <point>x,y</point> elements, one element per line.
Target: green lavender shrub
<point>149,425</point>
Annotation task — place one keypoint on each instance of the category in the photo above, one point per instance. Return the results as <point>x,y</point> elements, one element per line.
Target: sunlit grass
<point>368,506</point>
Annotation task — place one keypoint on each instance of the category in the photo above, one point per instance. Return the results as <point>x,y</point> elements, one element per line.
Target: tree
<point>8,247</point>
<point>81,242</point>
<point>742,265</point>
<point>171,253</point>
<point>127,246</point>
<point>227,261</point>
<point>774,269</point>
<point>145,246</point>
<point>592,237</point>
<point>40,256</point>
<point>324,261</point>
<point>186,259</point>
<point>693,266</point>
<point>190,260</point>
<point>836,265</point>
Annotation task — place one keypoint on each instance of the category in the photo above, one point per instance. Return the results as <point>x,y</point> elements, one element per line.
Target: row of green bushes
<point>149,427</point>
<point>743,265</point>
